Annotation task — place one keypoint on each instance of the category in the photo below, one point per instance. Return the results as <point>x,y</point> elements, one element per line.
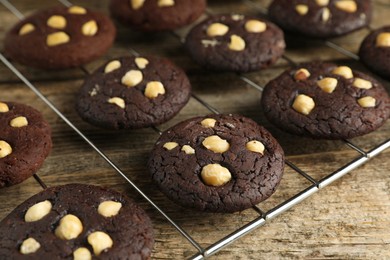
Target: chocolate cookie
<point>25,142</point>
<point>321,18</point>
<point>217,163</point>
<point>157,15</point>
<point>133,92</point>
<point>375,51</point>
<point>76,221</point>
<point>235,43</point>
<point>322,100</point>
<point>60,37</point>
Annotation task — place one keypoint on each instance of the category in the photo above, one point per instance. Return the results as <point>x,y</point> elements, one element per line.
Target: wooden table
<point>348,219</point>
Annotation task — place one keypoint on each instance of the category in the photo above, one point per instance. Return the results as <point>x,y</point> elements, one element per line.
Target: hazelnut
<point>82,253</point>
<point>120,102</point>
<point>255,26</point>
<point>367,101</point>
<point>212,43</point>
<point>236,43</point>
<point>137,4</point>
<point>348,6</point>
<point>255,146</point>
<point>322,2</point>
<point>19,121</point>
<point>215,175</point>
<point>109,208</point>
<point>141,62</point>
<point>57,38</point>
<point>164,3</point>
<point>217,29</point>
<point>112,65</point>
<point>38,211</point>
<point>29,246</point>
<point>70,227</point>
<point>27,28</point>
<point>362,83</point>
<point>94,91</point>
<point>208,122</point>
<point>5,149</point>
<point>170,145</point>
<point>325,14</point>
<point>89,28</point>
<point>188,149</point>
<point>327,84</point>
<point>57,22</point>
<point>237,17</point>
<point>132,78</point>
<point>99,241</point>
<point>77,10</point>
<point>344,71</point>
<point>153,89</point>
<point>216,144</point>
<point>301,74</point>
<point>383,39</point>
<point>302,9</point>
<point>3,107</point>
<point>303,104</point>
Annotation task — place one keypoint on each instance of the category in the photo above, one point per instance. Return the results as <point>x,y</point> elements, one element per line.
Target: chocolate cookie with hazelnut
<point>375,51</point>
<point>157,15</point>
<point>60,38</point>
<point>235,42</point>
<point>25,142</point>
<point>133,92</point>
<point>321,18</point>
<point>217,163</point>
<point>323,100</point>
<point>76,221</point>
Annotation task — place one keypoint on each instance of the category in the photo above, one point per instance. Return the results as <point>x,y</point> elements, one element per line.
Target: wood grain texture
<point>350,219</point>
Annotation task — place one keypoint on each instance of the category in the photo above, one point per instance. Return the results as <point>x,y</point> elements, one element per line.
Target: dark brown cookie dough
<point>217,163</point>
<point>60,37</point>
<point>157,15</point>
<point>133,92</point>
<point>321,18</point>
<point>25,142</point>
<point>235,43</point>
<point>322,100</point>
<point>375,51</point>
<point>57,222</point>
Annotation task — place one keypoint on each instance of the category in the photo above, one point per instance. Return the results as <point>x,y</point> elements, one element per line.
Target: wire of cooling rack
<point>263,216</point>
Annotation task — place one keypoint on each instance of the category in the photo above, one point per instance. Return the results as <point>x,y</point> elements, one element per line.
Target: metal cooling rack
<point>263,216</point>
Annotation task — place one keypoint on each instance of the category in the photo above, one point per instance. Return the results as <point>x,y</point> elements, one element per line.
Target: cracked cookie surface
<point>60,38</point>
<point>25,142</point>
<point>133,92</point>
<point>109,225</point>
<point>323,100</point>
<point>217,163</point>
<point>235,43</point>
<point>321,18</point>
